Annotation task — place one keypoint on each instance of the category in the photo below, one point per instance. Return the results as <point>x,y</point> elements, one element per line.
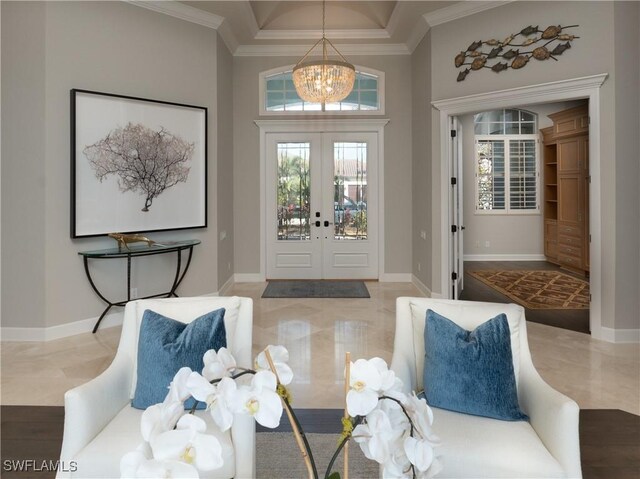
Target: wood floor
<point>610,439</point>
<point>475,290</point>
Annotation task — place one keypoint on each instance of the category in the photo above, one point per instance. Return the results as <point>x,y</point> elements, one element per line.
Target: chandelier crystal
<point>323,81</point>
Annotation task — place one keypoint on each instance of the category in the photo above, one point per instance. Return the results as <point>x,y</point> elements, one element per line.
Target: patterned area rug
<point>538,289</point>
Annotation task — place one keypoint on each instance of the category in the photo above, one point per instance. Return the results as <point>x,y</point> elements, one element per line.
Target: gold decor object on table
<point>323,81</point>
<point>476,59</point>
<point>124,239</point>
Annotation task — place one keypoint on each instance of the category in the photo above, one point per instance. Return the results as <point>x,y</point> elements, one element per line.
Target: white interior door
<point>293,199</point>
<point>322,205</point>
<point>350,194</point>
<point>457,216</point>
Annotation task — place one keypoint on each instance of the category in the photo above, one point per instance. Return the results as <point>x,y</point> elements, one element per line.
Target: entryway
<point>321,205</point>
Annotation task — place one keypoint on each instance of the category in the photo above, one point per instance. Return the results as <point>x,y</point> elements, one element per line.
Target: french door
<point>456,212</point>
<point>322,205</point>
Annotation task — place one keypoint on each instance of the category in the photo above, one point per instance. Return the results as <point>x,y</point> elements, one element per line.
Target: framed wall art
<point>136,165</point>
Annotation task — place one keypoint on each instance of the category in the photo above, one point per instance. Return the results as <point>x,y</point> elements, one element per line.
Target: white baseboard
<point>248,278</point>
<point>65,330</point>
<point>504,257</point>
<point>61,331</point>
<point>395,278</point>
<point>226,286</point>
<point>619,335</point>
<point>421,286</point>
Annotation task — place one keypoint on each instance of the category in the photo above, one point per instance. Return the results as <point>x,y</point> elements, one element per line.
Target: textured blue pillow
<point>470,371</point>
<point>166,345</point>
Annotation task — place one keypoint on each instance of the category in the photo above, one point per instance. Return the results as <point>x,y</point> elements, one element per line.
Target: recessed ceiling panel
<point>297,15</point>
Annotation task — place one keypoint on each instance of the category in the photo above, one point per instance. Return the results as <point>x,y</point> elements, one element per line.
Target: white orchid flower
<point>163,417</point>
<point>218,398</point>
<point>218,364</point>
<point>422,417</point>
<point>178,391</point>
<point>280,358</point>
<point>419,452</point>
<point>189,444</point>
<point>375,436</point>
<point>397,418</point>
<point>365,382</point>
<point>260,400</point>
<point>390,384</point>
<point>159,418</point>
<point>398,465</point>
<point>138,465</point>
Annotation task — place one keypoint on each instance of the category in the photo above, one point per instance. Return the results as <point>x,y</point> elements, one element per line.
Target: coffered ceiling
<point>256,28</point>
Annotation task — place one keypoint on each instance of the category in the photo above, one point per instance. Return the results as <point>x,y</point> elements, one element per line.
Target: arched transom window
<point>278,95</point>
<point>507,165</point>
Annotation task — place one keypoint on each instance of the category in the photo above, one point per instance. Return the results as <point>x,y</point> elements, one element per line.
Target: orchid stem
<point>357,420</point>
<point>294,418</point>
<point>305,450</point>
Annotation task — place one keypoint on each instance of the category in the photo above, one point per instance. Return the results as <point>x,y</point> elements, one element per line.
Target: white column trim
<point>571,89</point>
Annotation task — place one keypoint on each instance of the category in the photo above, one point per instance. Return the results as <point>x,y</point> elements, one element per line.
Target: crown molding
<point>226,33</point>
<point>181,11</point>
<point>394,19</point>
<point>350,34</point>
<point>254,28</point>
<point>460,10</point>
<point>298,50</point>
<point>417,34</point>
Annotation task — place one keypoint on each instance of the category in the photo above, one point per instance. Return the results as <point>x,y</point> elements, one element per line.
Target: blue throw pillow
<point>470,371</point>
<point>166,345</point>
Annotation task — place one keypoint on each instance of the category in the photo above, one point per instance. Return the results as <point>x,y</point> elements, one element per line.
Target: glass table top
<point>140,249</point>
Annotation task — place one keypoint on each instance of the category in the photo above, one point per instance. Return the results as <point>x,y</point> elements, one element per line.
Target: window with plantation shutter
<point>506,156</point>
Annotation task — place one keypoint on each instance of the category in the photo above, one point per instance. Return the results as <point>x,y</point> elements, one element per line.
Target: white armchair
<point>100,425</point>
<point>477,447</point>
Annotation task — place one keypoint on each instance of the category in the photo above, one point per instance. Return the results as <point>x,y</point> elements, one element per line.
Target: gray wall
<point>23,152</point>
<point>507,234</point>
<point>591,54</point>
<point>627,132</point>
<point>397,170</point>
<point>47,49</point>
<point>224,185</point>
<point>421,141</point>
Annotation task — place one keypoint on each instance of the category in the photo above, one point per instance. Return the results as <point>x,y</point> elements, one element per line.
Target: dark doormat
<point>316,289</point>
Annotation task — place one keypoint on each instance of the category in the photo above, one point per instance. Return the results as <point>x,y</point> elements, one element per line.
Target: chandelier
<point>323,81</point>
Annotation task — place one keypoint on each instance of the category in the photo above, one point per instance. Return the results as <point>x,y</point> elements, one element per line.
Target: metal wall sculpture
<point>517,55</point>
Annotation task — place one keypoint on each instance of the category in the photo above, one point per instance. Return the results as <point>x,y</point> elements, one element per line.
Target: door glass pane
<point>490,175</point>
<point>293,191</point>
<point>350,190</point>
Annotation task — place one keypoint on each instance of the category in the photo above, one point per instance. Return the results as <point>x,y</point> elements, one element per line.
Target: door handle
<point>326,223</point>
<point>318,223</point>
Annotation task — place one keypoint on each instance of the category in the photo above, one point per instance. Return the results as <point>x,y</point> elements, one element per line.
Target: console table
<point>135,251</point>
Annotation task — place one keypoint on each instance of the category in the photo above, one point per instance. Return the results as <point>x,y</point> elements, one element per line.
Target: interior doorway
<point>517,246</point>
<point>580,88</point>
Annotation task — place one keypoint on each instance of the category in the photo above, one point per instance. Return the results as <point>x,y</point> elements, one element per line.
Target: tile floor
<point>317,332</point>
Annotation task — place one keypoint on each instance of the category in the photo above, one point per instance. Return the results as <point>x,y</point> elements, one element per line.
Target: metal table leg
<point>109,303</point>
